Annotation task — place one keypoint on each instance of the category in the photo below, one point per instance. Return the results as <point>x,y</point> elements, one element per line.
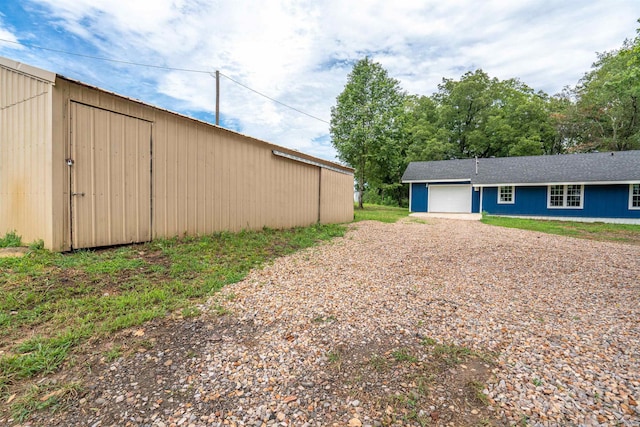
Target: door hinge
<point>69,162</point>
<point>77,194</point>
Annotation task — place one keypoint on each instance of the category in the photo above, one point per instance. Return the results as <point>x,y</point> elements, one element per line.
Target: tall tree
<point>481,116</point>
<point>608,99</point>
<point>366,127</point>
<point>423,132</point>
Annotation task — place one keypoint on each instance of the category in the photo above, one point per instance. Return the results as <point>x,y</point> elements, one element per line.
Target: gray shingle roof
<point>619,166</point>
<point>439,170</point>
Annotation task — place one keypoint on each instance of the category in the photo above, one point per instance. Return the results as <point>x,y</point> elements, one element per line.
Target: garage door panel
<point>450,198</point>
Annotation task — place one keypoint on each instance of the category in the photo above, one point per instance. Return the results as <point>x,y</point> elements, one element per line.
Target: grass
<point>52,302</point>
<point>378,363</point>
<point>627,233</point>
<point>38,397</point>
<point>403,355</point>
<point>322,319</point>
<point>113,354</point>
<point>379,213</point>
<point>477,387</point>
<point>334,356</point>
<point>10,240</point>
<point>451,354</point>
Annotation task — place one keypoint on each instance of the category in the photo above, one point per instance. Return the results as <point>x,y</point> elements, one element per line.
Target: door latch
<point>69,162</point>
<point>77,194</point>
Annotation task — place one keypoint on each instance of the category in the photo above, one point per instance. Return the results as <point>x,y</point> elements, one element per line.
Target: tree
<point>481,116</point>
<point>607,101</point>
<point>569,128</point>
<point>464,107</point>
<point>366,127</point>
<point>422,131</point>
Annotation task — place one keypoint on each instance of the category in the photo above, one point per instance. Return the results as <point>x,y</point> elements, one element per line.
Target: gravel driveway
<point>302,339</point>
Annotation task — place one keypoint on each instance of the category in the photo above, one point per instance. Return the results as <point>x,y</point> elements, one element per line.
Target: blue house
<point>586,187</point>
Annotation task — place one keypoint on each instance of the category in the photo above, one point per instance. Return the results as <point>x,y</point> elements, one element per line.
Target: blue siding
<point>419,197</point>
<point>475,200</point>
<point>600,201</point>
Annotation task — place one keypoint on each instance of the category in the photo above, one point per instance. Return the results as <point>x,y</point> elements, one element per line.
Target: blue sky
<point>300,52</point>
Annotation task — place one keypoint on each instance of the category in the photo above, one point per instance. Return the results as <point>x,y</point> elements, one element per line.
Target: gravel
<point>561,316</point>
<point>563,313</point>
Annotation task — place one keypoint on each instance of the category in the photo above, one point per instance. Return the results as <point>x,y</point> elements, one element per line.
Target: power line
<point>161,67</point>
<point>274,100</point>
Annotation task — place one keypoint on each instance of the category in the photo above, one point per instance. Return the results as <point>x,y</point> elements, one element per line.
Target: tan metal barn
<point>81,167</point>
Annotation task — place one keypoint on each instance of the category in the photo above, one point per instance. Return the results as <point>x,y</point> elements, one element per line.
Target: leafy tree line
<point>377,128</point>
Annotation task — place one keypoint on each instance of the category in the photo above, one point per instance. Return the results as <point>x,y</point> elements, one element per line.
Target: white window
<point>565,196</point>
<point>634,196</point>
<point>506,194</point>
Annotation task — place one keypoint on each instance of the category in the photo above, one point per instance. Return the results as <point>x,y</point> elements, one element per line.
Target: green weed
<point>477,388</point>
<point>451,354</point>
<point>146,344</point>
<point>52,397</point>
<point>113,354</point>
<point>10,240</point>
<point>221,310</point>
<point>322,319</point>
<point>189,312</point>
<point>428,341</point>
<point>378,363</point>
<point>403,355</point>
<point>334,356</point>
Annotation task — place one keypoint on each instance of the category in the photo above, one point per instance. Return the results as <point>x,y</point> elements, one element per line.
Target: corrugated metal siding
<point>111,178</point>
<point>25,150</point>
<point>207,179</point>
<point>337,197</point>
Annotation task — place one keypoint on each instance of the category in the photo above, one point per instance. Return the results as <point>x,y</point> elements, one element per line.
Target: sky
<point>300,53</point>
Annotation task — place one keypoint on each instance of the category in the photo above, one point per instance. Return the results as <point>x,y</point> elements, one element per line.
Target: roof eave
<point>19,67</point>
<point>547,183</point>
<point>426,181</point>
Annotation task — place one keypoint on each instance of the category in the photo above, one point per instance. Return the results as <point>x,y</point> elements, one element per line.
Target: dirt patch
<point>158,370</point>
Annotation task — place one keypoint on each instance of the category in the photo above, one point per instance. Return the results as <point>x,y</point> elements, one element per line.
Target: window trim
<point>631,207</point>
<point>564,197</point>
<point>513,195</point>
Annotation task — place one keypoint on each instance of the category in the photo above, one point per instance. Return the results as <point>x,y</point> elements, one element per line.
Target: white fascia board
<point>546,184</point>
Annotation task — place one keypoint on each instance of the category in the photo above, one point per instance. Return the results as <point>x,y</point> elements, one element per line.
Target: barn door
<point>110,179</point>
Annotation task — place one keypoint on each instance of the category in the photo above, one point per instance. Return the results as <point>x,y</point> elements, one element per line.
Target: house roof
<point>441,170</point>
<point>619,166</point>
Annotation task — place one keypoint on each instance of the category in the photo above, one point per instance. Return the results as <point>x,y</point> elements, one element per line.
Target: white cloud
<point>300,52</point>
<point>7,34</point>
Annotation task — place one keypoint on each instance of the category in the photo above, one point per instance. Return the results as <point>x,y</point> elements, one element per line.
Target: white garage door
<point>450,198</point>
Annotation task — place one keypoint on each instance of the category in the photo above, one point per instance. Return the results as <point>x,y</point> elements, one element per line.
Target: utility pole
<point>217,98</point>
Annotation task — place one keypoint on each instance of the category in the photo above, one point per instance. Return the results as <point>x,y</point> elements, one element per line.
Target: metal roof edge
<point>274,146</point>
<point>309,162</point>
<point>29,70</point>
